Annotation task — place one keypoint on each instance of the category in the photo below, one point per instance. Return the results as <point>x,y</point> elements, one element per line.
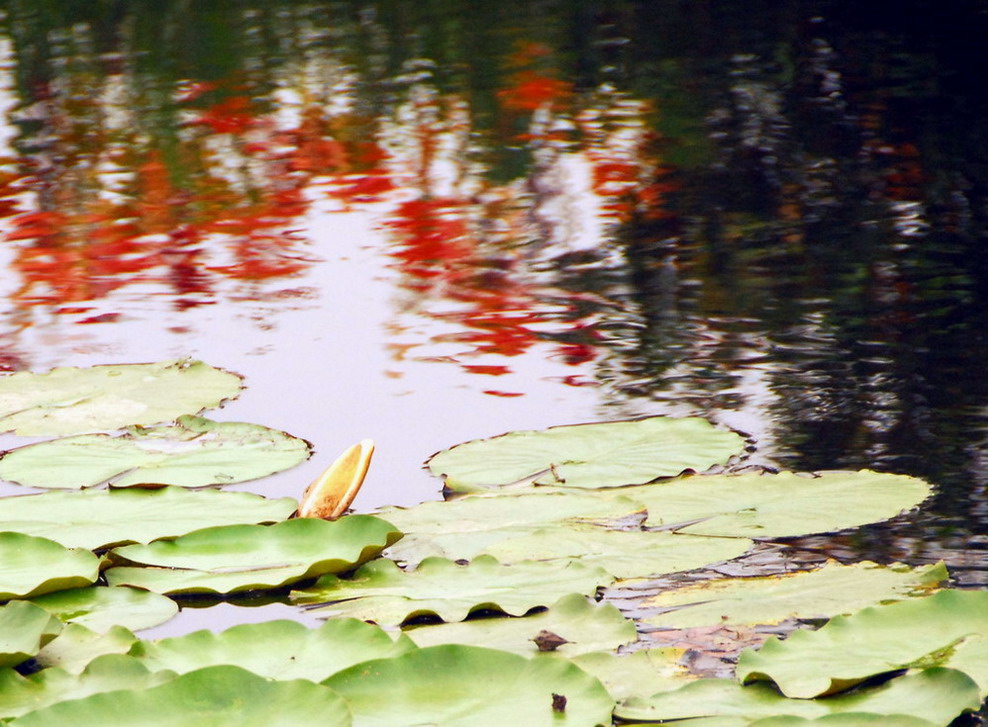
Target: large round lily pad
<point>607,454</point>
<point>195,452</point>
<point>98,518</point>
<point>780,505</point>
<point>468,686</point>
<point>583,626</point>
<point>78,400</point>
<point>949,628</point>
<point>216,695</point>
<point>100,607</point>
<point>31,566</point>
<point>235,558</point>
<point>278,649</point>
<point>820,593</point>
<point>382,592</point>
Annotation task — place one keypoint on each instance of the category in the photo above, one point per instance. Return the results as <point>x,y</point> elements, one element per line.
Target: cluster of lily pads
<point>468,612</point>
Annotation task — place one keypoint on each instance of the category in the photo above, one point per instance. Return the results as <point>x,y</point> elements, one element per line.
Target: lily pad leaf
<point>607,454</point>
<point>949,628</point>
<point>278,649</point>
<point>463,527</point>
<point>24,630</point>
<point>95,519</point>
<point>469,686</point>
<point>235,558</point>
<point>382,592</point>
<point>642,673</point>
<point>848,719</point>
<point>585,627</point>
<point>98,608</point>
<point>195,452</point>
<point>937,695</point>
<point>78,400</point>
<point>216,695</point>
<point>76,646</point>
<point>30,566</point>
<point>821,593</point>
<point>622,553</point>
<point>23,694</point>
<point>780,505</point>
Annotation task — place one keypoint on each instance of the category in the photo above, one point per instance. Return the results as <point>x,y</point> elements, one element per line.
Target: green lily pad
<point>195,452</point>
<point>24,630</point>
<point>382,592</point>
<point>468,686</point>
<point>76,646</point>
<point>22,694</point>
<point>586,626</point>
<point>780,505</point>
<point>99,607</point>
<point>98,518</point>
<point>607,454</point>
<point>463,527</point>
<point>821,593</point>
<point>642,673</point>
<point>234,558</point>
<point>937,695</point>
<point>279,649</point>
<point>622,553</point>
<point>216,695</point>
<point>949,628</point>
<point>77,400</point>
<point>850,719</point>
<point>30,566</point>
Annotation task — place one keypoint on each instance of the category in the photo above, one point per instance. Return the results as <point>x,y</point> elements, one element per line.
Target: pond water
<point>434,221</point>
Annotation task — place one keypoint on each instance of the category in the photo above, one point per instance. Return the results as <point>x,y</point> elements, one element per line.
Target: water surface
<point>428,222</point>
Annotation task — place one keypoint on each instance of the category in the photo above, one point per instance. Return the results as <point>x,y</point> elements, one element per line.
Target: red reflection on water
<point>220,194</point>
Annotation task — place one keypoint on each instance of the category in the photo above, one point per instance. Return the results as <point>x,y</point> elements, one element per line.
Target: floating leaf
<point>584,625</point>
<point>468,686</point>
<point>97,518</point>
<point>849,719</point>
<point>382,592</point>
<point>77,400</point>
<point>30,566</point>
<point>98,607</point>
<point>642,673</point>
<point>22,694</point>
<point>216,695</point>
<point>24,630</point>
<point>235,558</point>
<point>279,649</point>
<point>76,646</point>
<point>936,695</point>
<point>463,527</point>
<point>622,553</point>
<point>949,629</point>
<point>607,454</point>
<point>195,452</point>
<point>780,505</point>
<point>820,593</point>
<point>331,493</point>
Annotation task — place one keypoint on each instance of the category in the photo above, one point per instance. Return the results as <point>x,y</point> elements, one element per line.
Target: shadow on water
<point>770,214</point>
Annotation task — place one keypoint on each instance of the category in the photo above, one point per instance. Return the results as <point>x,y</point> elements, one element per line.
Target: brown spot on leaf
<point>548,641</point>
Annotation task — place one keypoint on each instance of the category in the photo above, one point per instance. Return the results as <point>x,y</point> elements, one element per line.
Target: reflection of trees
<point>763,209</point>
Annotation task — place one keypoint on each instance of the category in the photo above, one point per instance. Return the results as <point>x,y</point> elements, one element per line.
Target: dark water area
<point>425,222</point>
